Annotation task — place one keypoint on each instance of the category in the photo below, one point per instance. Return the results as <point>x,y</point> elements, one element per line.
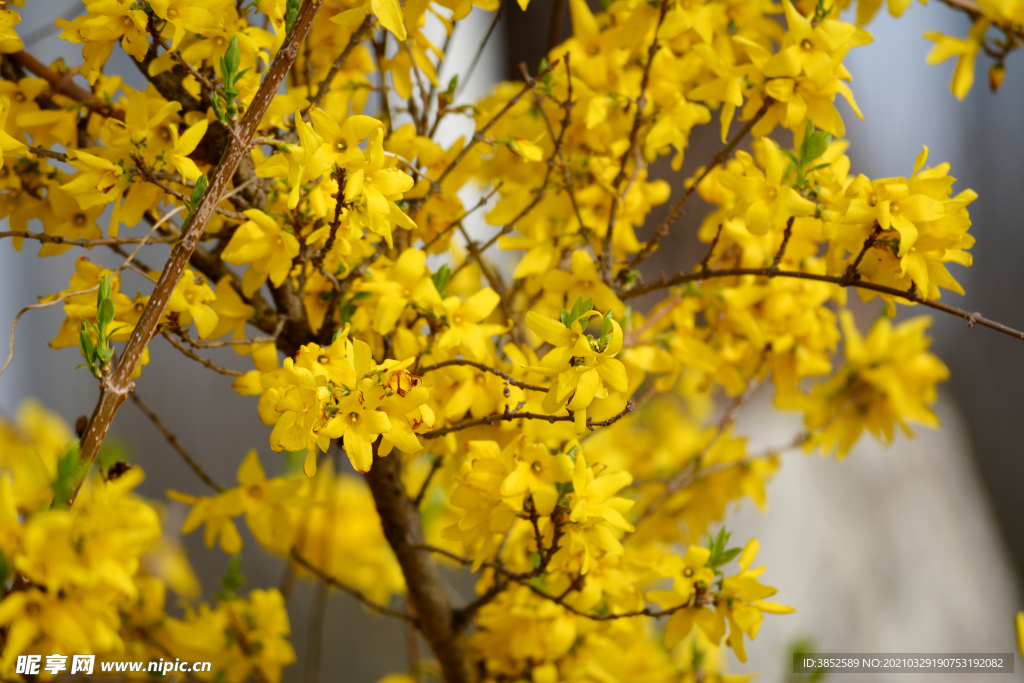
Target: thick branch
<point>404,532</point>
<point>116,385</point>
<point>64,85</point>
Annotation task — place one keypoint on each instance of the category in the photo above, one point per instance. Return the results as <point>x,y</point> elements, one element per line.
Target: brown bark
<point>404,532</point>
<point>117,383</point>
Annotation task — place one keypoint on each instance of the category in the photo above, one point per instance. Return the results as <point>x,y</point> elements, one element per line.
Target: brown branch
<point>334,583</point>
<point>150,177</point>
<point>517,415</point>
<point>785,242</point>
<point>64,85</point>
<point>116,385</point>
<point>464,79</point>
<point>101,242</point>
<point>404,531</point>
<point>199,359</point>
<point>677,208</point>
<point>481,133</point>
<point>339,63</point>
<point>434,467</point>
<point>641,102</point>
<point>339,198</point>
<point>528,581</point>
<point>971,318</point>
<point>851,270</point>
<point>175,444</point>
<point>486,368</point>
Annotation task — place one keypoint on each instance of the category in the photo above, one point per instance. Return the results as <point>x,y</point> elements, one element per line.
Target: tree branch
<point>116,385</point>
<point>971,318</point>
<point>404,532</point>
<point>677,208</point>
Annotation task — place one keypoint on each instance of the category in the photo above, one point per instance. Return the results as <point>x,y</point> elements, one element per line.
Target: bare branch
<point>175,444</point>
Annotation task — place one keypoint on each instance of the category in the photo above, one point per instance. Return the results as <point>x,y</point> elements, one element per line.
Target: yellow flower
<point>964,49</point>
<point>388,13</point>
<point>191,301</point>
<point>466,329</point>
<point>378,186</point>
<point>769,201</point>
<point>341,142</point>
<point>98,182</point>
<point>889,379</point>
<point>266,246</point>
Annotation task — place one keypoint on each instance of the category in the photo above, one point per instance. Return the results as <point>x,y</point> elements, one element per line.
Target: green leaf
<point>85,343</point>
<point>233,579</point>
<point>606,327</point>
<point>197,193</point>
<point>3,567</point>
<point>815,143</point>
<point>106,290</point>
<point>232,58</point>
<point>441,278</point>
<point>291,13</point>
<point>104,315</point>
<point>70,471</point>
<point>725,557</point>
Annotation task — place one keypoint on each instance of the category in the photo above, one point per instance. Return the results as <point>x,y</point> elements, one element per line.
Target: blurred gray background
<point>918,548</point>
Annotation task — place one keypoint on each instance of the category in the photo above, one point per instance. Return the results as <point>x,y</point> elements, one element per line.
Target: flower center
<point>807,45</point>
<point>894,208</point>
<point>688,572</point>
<point>873,199</point>
<point>353,418</point>
<point>79,219</point>
<point>255,491</point>
<point>536,467</point>
<point>341,145</point>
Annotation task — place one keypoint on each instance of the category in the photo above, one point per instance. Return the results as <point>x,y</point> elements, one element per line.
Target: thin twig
<point>620,177</point>
<point>339,63</point>
<point>677,208</point>
<point>522,415</point>
<point>971,318</point>
<point>175,444</point>
<point>355,593</point>
<point>486,368</point>
<point>196,357</point>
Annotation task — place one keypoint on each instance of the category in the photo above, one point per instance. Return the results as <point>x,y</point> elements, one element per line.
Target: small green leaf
<point>441,278</point>
<point>291,13</point>
<point>232,58</point>
<point>104,314</point>
<point>85,342</point>
<point>70,471</point>
<point>233,579</point>
<point>606,327</point>
<point>815,143</point>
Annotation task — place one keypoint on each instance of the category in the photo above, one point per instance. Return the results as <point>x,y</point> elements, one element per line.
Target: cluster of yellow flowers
<point>92,577</point>
<point>534,424</point>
